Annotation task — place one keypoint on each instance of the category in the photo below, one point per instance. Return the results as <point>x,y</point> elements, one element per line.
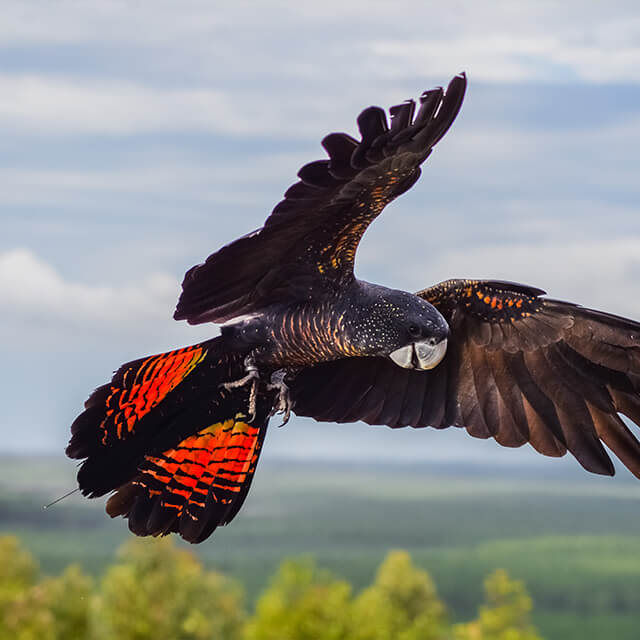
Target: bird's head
<point>403,327</point>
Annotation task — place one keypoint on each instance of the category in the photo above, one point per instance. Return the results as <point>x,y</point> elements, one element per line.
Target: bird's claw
<point>252,377</point>
<point>283,401</point>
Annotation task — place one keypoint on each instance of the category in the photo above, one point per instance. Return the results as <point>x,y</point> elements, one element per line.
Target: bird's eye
<point>414,331</point>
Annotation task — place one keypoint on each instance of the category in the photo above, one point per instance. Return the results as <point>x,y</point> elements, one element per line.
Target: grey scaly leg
<point>252,377</point>
<point>283,403</point>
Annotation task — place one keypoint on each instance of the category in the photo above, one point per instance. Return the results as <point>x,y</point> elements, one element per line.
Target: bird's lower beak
<point>428,355</point>
<point>420,355</point>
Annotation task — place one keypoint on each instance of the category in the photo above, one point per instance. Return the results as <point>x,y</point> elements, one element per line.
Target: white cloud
<point>58,105</point>
<point>66,21</point>
<point>193,77</point>
<point>522,41</point>
<point>579,251</point>
<point>497,57</point>
<point>233,182</point>
<point>597,273</point>
<point>481,154</point>
<point>34,292</point>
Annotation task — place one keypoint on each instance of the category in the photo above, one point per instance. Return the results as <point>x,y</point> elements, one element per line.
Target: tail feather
<point>195,486</point>
<point>175,447</point>
<point>135,389</point>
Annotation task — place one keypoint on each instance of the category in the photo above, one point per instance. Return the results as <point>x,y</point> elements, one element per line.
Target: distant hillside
<point>572,537</point>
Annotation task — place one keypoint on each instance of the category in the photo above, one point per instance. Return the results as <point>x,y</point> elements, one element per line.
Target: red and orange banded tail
<point>135,390</point>
<point>150,384</point>
<point>172,443</point>
<point>195,486</point>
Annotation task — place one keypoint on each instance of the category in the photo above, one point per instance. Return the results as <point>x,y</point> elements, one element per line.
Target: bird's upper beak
<point>420,355</point>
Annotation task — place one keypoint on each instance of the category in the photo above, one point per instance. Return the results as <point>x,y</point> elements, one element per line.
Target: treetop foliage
<point>156,590</point>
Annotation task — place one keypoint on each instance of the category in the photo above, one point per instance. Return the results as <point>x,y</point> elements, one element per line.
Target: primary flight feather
<point>175,437</point>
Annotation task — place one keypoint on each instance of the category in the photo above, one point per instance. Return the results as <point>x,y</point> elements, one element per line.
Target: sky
<point>138,137</point>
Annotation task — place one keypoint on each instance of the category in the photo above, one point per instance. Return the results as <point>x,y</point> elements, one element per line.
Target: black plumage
<point>176,437</point>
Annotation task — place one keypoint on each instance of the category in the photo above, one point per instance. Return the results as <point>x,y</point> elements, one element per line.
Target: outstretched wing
<point>308,244</point>
<point>519,368</point>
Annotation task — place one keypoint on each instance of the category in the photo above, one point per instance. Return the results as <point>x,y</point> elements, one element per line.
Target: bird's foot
<point>283,401</point>
<point>252,378</point>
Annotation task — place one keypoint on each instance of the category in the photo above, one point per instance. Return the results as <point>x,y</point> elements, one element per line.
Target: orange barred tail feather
<point>175,447</point>
<point>135,390</point>
<point>195,486</point>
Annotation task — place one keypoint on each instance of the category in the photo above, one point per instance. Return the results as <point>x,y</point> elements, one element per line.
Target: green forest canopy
<point>155,590</point>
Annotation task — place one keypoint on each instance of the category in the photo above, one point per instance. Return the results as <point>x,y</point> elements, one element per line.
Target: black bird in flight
<point>176,436</point>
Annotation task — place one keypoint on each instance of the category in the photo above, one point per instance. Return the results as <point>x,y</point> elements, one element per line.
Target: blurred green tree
<point>157,591</point>
<point>302,603</point>
<point>506,616</point>
<point>401,604</point>
<point>51,609</point>
<point>18,570</point>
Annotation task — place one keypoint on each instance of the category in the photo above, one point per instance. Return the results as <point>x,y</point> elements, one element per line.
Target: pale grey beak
<point>430,355</point>
<point>420,355</point>
<point>403,357</point>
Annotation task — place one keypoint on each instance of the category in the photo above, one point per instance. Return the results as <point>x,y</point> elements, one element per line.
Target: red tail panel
<point>195,486</point>
<point>143,386</point>
<point>171,441</point>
